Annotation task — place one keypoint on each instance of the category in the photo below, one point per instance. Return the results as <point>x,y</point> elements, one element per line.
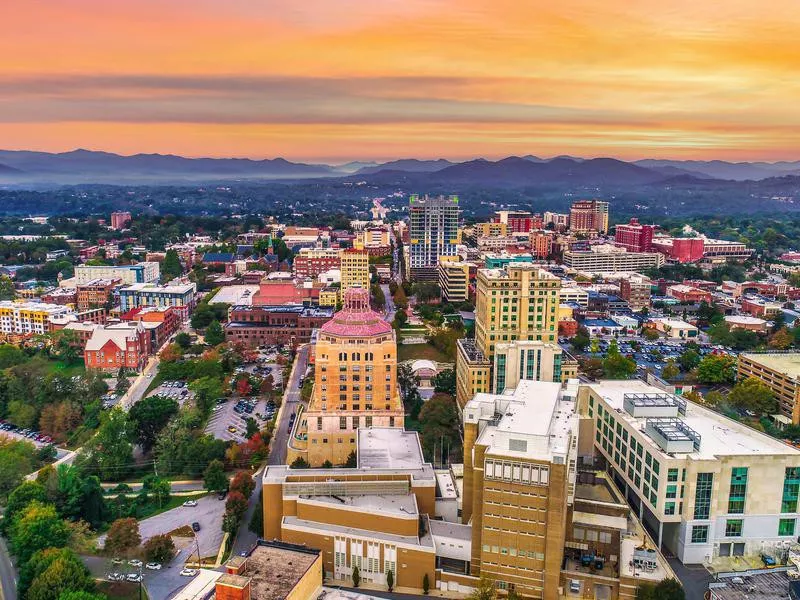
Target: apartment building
<point>706,486</point>
<point>541,244</point>
<point>634,237</point>
<point>355,383</point>
<point>519,302</point>
<point>160,323</point>
<point>120,219</point>
<point>312,262</point>
<point>780,371</point>
<point>179,295</point>
<point>636,291</point>
<point>574,295</point>
<point>530,360</point>
<point>374,240</point>
<point>559,221</point>
<point>355,269</point>
<point>518,221</point>
<point>143,272</point>
<point>433,232</point>
<point>95,293</point>
<point>610,259</point>
<point>21,318</point>
<point>454,279</point>
<point>282,324</point>
<point>586,216</point>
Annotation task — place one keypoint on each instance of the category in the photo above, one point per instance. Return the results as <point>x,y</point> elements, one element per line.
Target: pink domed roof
<point>356,319</point>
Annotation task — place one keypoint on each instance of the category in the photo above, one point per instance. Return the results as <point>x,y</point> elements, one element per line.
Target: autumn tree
<point>123,536</point>
<point>159,548</point>
<point>243,483</point>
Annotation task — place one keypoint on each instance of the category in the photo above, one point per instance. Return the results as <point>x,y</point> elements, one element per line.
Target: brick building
<point>96,293</point>
<point>125,345</point>
<point>634,237</point>
<point>286,324</point>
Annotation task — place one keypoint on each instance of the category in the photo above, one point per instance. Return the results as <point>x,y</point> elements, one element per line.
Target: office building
<point>491,229</point>
<point>312,262</point>
<point>519,302</point>
<point>636,291</point>
<point>454,279</point>
<point>780,371</point>
<point>144,272</point>
<point>574,295</point>
<point>433,232</point>
<point>634,237</point>
<point>704,485</point>
<point>22,318</point>
<point>178,295</point>
<point>588,216</point>
<point>680,250</point>
<point>559,221</point>
<point>96,293</point>
<point>374,240</point>
<point>541,244</point>
<point>610,259</point>
<point>120,220</point>
<point>355,269</point>
<point>278,325</point>
<point>499,260</point>
<point>355,383</point>
<point>674,328</point>
<point>530,360</point>
<point>689,293</point>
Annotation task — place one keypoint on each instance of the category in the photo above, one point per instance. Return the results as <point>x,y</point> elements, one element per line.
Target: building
<point>780,371</point>
<point>674,328</point>
<point>704,485</point>
<point>574,295</point>
<point>355,269</point>
<point>144,272</point>
<point>725,249</point>
<point>586,216</point>
<point>491,229</point>
<point>499,260</point>
<point>121,345</point>
<point>281,325</point>
<point>285,290</point>
<point>746,322</point>
<point>96,293</point>
<point>681,250</point>
<point>161,323</point>
<point>760,307</point>
<point>559,221</point>
<point>518,221</point>
<point>23,318</point>
<point>311,262</point>
<point>688,293</point>
<point>530,360</point>
<point>179,295</point>
<point>433,232</point>
<point>120,220</point>
<point>329,296</point>
<point>634,237</point>
<point>61,296</point>
<point>597,327</point>
<point>541,244</point>
<point>496,242</point>
<point>636,291</point>
<point>355,383</point>
<point>610,259</point>
<point>519,302</point>
<point>454,279</point>
<point>375,241</point>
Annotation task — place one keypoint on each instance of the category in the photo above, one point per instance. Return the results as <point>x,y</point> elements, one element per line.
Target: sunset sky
<point>338,80</point>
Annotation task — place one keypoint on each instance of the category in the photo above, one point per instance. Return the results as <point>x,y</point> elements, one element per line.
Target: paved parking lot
<point>16,435</point>
<point>177,390</point>
<point>225,416</point>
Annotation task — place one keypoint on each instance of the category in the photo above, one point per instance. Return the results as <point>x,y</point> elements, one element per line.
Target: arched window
<point>343,356</point>
<point>355,356</point>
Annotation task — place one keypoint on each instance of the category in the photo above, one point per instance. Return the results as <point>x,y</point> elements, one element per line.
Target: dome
<point>423,364</point>
<point>356,319</point>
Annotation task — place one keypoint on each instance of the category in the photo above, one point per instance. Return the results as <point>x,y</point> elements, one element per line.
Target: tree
<point>243,483</point>
<point>426,584</point>
<point>390,580</point>
<point>67,345</point>
<point>206,391</point>
<point>22,496</point>
<point>352,461</point>
<point>617,366</point>
<point>356,576</point>
<point>148,417</point>
<point>591,367</point>
<point>214,334</point>
<point>11,355</point>
<point>158,487</point>
<point>688,360</point>
<point>123,383</point>
<point>81,595</point>
<point>122,536</point>
<point>714,398</point>
<point>184,340</point>
<point>214,478</point>
<point>670,371</point>
<point>439,427</point>
<point>64,575</point>
<point>171,353</point>
<point>171,265</point>
<point>109,454</point>
<point>36,528</point>
<point>666,589</point>
<point>327,464</point>
<point>159,548</point>
<point>299,463</point>
<point>650,334</point>
<point>400,318</point>
<point>7,291</point>
<point>426,291</point>
<point>445,382</point>
<point>781,339</point>
<point>581,340</point>
<point>717,368</point>
<point>256,524</point>
<point>485,590</point>
<point>753,394</point>
<point>236,504</point>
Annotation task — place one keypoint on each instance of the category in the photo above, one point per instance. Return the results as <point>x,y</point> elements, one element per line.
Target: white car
<point>135,562</point>
<point>190,503</point>
<point>117,561</point>
<point>189,572</point>
<point>116,577</point>
<point>133,578</point>
<point>153,566</point>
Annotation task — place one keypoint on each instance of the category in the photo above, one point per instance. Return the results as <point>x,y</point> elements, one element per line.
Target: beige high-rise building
<point>354,265</point>
<point>454,278</point>
<point>355,383</point>
<point>519,302</point>
<point>530,360</point>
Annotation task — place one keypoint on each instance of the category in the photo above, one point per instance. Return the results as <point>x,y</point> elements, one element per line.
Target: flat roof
<point>201,586</point>
<point>426,541</point>
<point>235,294</point>
<point>397,505</point>
<point>388,448</point>
<point>762,586</point>
<point>452,540</point>
<point>787,363</point>
<point>719,435</point>
<point>275,571</point>
<point>447,485</point>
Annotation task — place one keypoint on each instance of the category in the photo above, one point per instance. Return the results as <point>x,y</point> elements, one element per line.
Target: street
<point>8,575</point>
<point>390,307</point>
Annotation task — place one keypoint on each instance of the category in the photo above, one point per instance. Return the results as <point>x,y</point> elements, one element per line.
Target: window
<point>738,490</point>
<point>342,422</point>
<point>669,508</point>
<point>786,527</point>
<point>702,495</point>
<point>791,487</point>
<point>733,528</point>
<point>699,534</point>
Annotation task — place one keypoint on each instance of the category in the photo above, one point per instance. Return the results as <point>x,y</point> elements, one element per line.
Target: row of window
<point>517,472</point>
<point>733,528</point>
<point>513,552</point>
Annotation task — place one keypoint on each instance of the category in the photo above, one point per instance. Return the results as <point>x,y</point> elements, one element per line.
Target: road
<point>8,575</point>
<point>246,539</point>
<point>177,486</point>
<point>390,307</point>
<point>140,384</point>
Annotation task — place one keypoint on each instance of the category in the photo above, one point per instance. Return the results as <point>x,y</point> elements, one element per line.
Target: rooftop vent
<point>657,405</point>
<point>673,435</point>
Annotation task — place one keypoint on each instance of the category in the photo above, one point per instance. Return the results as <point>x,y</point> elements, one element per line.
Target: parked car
<point>116,577</point>
<point>117,561</point>
<point>189,572</point>
<point>135,562</point>
<point>768,560</point>
<point>190,503</point>
<point>196,526</point>
<point>133,577</point>
<point>153,566</point>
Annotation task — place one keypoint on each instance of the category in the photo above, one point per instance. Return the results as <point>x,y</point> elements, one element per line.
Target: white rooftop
<point>719,435</point>
<point>388,448</point>
<point>235,295</point>
<point>397,505</point>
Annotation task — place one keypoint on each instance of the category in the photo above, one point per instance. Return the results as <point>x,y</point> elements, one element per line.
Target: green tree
<point>184,340</point>
<point>7,291</point>
<point>688,360</point>
<point>214,333</point>
<point>753,394</point>
<point>65,574</point>
<point>158,487</point>
<point>171,266</point>
<point>11,356</point>
<point>41,561</point>
<point>123,536</point>
<point>159,548</point>
<point>206,391</point>
<point>299,463</point>
<point>356,576</point>
<point>214,478</point>
<point>440,427</point>
<point>400,318</point>
<point>581,340</point>
<point>352,461</point>
<point>714,398</point>
<point>123,383</point>
<point>426,291</point>
<point>670,371</point>
<point>148,417</point>
<point>650,334</point>
<point>717,368</point>
<point>666,589</point>
<point>109,454</point>
<point>445,382</point>
<point>22,496</point>
<point>617,366</point>
<point>36,528</point>
<point>485,590</point>
<point>81,595</point>
<point>781,339</point>
<point>256,524</point>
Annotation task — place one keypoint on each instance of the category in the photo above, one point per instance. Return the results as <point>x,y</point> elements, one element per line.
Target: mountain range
<point>86,166</point>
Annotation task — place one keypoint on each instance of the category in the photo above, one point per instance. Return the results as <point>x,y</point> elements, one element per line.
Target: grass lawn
<point>71,369</point>
<point>121,590</point>
<point>421,351</point>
